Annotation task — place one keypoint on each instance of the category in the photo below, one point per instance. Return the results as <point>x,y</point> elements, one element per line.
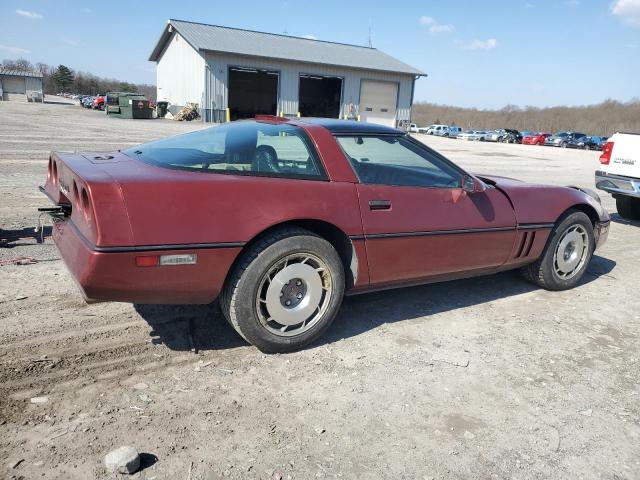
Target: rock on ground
<point>122,460</point>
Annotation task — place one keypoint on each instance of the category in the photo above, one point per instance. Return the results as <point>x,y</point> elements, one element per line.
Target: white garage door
<point>13,85</point>
<point>378,102</point>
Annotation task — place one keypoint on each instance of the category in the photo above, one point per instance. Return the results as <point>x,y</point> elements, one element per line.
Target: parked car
<point>536,138</point>
<point>472,135</point>
<point>413,128</point>
<point>510,136</point>
<point>98,102</point>
<point>619,173</point>
<point>479,135</point>
<point>87,102</point>
<point>599,142</point>
<point>454,132</point>
<point>561,139</point>
<point>134,228</point>
<point>495,135</point>
<point>585,143</point>
<point>439,130</point>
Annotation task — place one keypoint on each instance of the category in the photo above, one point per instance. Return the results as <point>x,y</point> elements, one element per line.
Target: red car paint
<point>122,208</point>
<point>536,139</point>
<point>98,103</point>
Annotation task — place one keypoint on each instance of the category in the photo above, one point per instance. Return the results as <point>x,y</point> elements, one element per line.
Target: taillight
<point>86,204</point>
<point>605,158</point>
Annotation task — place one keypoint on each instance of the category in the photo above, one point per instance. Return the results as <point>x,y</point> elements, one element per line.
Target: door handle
<point>379,204</point>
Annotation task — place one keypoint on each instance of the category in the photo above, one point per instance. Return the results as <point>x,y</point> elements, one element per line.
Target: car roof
<point>350,126</point>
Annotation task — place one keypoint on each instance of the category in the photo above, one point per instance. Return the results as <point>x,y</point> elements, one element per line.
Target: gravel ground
<point>481,378</point>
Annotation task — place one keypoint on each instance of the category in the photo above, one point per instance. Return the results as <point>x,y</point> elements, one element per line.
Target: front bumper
<point>618,184</point>
<point>114,276</point>
<point>601,232</point>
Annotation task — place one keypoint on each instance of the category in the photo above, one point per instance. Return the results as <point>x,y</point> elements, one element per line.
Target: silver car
<point>477,135</point>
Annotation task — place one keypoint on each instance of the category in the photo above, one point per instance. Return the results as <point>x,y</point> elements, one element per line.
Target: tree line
<point>605,118</point>
<point>64,79</point>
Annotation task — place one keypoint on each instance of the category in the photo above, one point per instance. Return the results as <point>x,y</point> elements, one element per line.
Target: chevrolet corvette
<point>279,218</point>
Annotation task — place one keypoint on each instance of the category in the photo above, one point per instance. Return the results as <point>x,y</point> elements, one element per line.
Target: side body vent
<point>526,242</point>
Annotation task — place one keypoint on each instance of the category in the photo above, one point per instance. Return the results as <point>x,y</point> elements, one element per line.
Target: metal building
<point>233,73</point>
<point>21,85</point>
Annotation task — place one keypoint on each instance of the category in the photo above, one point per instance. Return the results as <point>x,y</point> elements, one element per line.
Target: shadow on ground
<point>616,218</point>
<point>11,238</point>
<point>202,327</point>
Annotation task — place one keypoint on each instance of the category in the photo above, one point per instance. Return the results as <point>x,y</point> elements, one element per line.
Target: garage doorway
<point>320,96</point>
<point>252,92</point>
<point>378,101</point>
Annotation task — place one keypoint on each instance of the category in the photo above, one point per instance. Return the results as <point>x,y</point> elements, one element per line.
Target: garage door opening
<point>320,96</point>
<point>252,92</point>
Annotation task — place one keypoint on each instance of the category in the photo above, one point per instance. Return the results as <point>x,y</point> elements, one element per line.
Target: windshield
<point>242,148</point>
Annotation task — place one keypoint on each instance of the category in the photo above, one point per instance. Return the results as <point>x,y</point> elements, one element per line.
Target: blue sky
<point>481,54</point>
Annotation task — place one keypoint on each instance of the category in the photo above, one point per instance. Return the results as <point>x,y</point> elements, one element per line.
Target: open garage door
<point>378,102</point>
<point>252,92</point>
<point>320,96</point>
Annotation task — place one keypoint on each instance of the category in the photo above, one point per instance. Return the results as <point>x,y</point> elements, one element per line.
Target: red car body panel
<point>123,208</point>
<point>537,139</point>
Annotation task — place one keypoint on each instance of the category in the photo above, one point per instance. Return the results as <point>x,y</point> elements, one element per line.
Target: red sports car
<point>279,218</point>
<point>535,138</point>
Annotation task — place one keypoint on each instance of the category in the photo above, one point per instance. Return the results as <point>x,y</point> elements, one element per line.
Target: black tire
<point>628,207</point>
<point>563,144</point>
<point>238,299</point>
<point>543,272</point>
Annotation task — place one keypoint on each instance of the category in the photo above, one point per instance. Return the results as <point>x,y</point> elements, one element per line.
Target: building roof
<point>214,38</point>
<point>19,73</point>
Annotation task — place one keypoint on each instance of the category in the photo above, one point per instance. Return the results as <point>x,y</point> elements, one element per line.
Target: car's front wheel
<point>285,290</point>
<point>566,255</point>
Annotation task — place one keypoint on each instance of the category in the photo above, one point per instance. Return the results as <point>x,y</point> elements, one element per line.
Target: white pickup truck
<point>620,173</point>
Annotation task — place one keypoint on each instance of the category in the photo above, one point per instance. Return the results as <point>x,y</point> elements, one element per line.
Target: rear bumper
<point>617,184</point>
<point>114,276</point>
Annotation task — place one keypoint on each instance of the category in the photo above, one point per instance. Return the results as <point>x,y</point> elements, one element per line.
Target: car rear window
<point>242,148</point>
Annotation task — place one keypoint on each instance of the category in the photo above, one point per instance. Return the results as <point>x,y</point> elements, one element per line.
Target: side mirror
<point>472,185</point>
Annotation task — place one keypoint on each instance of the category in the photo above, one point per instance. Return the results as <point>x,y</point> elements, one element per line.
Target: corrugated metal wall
<point>216,75</point>
<point>180,73</point>
<point>33,84</point>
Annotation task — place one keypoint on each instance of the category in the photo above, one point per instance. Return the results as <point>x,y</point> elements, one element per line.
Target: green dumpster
<point>128,105</point>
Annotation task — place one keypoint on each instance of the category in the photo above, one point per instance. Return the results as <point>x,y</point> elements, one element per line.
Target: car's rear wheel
<point>566,255</point>
<point>285,290</point>
<point>628,207</point>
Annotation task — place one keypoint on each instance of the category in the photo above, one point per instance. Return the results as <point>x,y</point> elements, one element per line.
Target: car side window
<point>291,152</point>
<point>395,160</point>
<point>242,148</point>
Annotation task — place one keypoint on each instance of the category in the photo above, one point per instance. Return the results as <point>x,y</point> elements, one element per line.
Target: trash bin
<point>128,105</point>
<point>161,108</point>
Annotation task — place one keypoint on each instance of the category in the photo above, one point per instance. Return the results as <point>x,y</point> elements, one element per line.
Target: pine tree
<point>63,77</point>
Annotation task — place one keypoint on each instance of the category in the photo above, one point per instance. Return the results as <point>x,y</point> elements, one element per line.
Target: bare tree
<point>605,118</point>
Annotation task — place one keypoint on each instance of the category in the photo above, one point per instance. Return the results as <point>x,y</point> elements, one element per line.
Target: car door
<point>418,222</point>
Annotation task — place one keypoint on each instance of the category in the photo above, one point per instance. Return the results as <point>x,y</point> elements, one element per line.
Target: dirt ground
<point>483,378</point>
